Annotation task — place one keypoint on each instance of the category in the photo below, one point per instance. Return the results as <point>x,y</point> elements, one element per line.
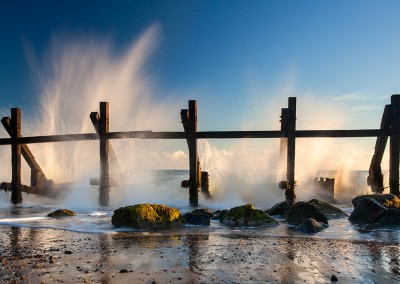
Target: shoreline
<point>31,255</point>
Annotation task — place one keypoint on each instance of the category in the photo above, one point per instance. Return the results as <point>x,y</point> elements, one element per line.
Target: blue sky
<point>227,54</point>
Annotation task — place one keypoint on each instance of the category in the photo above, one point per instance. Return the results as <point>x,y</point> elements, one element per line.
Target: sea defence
<point>390,127</point>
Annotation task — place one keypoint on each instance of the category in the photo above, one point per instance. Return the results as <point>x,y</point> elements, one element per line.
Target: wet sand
<point>30,255</point>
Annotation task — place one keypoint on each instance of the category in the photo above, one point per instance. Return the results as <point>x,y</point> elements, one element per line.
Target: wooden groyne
<point>390,127</point>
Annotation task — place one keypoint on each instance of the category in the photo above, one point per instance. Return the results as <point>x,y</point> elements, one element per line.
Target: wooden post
<point>375,176</point>
<point>189,121</point>
<point>283,139</point>
<point>38,178</point>
<point>115,168</point>
<point>394,147</point>
<point>291,147</point>
<point>16,195</point>
<point>104,190</point>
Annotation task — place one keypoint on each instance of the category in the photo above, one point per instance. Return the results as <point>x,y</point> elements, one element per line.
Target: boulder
<point>61,213</point>
<point>218,214</point>
<point>330,211</point>
<point>390,217</point>
<point>304,210</point>
<point>281,208</point>
<point>246,215</point>
<point>368,210</point>
<point>146,216</point>
<point>198,217</point>
<point>310,225</point>
<point>388,200</point>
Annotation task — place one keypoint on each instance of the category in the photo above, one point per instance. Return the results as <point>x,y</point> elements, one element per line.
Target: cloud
<point>176,156</point>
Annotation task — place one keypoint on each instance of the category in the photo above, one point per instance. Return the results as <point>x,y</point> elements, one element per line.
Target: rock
<point>334,278</point>
<point>246,215</point>
<point>145,216</point>
<point>218,214</point>
<point>390,217</point>
<point>61,213</point>
<point>304,210</point>
<point>330,211</point>
<point>388,200</point>
<point>310,225</point>
<point>368,210</point>
<point>281,208</point>
<point>198,217</point>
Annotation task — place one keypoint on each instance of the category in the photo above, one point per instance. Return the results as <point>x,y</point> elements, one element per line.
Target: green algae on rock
<point>145,216</point>
<point>61,213</point>
<point>246,215</point>
<point>330,211</point>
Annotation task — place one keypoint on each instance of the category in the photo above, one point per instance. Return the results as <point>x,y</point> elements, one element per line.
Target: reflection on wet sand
<point>48,255</point>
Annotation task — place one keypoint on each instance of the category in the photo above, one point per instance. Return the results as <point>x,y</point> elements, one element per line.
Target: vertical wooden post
<point>394,147</point>
<point>291,147</point>
<point>193,163</point>
<point>189,121</point>
<point>16,195</point>
<point>104,190</point>
<point>375,176</point>
<point>283,139</point>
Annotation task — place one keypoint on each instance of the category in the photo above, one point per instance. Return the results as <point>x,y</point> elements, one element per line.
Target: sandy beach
<point>32,255</point>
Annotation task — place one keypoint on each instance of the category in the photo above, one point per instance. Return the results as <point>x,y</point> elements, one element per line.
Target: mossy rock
<point>368,210</point>
<point>198,217</point>
<point>330,211</point>
<point>304,210</point>
<point>281,208</point>
<point>310,225</point>
<point>146,216</point>
<point>387,200</point>
<point>246,215</point>
<point>61,213</point>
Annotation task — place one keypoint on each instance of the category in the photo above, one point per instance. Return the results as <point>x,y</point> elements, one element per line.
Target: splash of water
<point>84,72</point>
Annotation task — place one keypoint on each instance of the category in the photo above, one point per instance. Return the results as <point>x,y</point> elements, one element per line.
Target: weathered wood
<point>16,195</point>
<point>205,185</point>
<point>115,168</point>
<point>38,178</point>
<point>358,133</point>
<point>189,121</point>
<point>283,141</point>
<point>291,147</point>
<point>394,147</point>
<point>104,190</point>
<point>375,176</point>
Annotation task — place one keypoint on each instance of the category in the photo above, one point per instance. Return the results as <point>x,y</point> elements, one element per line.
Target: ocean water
<point>164,187</point>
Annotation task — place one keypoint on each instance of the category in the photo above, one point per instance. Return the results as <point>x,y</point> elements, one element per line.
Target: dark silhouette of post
<point>38,178</point>
<point>291,145</point>
<point>104,190</point>
<point>375,176</point>
<point>189,121</point>
<point>114,166</point>
<point>16,195</point>
<point>394,147</point>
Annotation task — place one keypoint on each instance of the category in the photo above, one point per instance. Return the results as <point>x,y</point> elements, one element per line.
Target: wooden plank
<point>16,195</point>
<point>200,135</point>
<point>394,147</point>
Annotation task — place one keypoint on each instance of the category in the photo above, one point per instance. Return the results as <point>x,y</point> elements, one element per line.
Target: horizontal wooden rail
<point>200,135</point>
